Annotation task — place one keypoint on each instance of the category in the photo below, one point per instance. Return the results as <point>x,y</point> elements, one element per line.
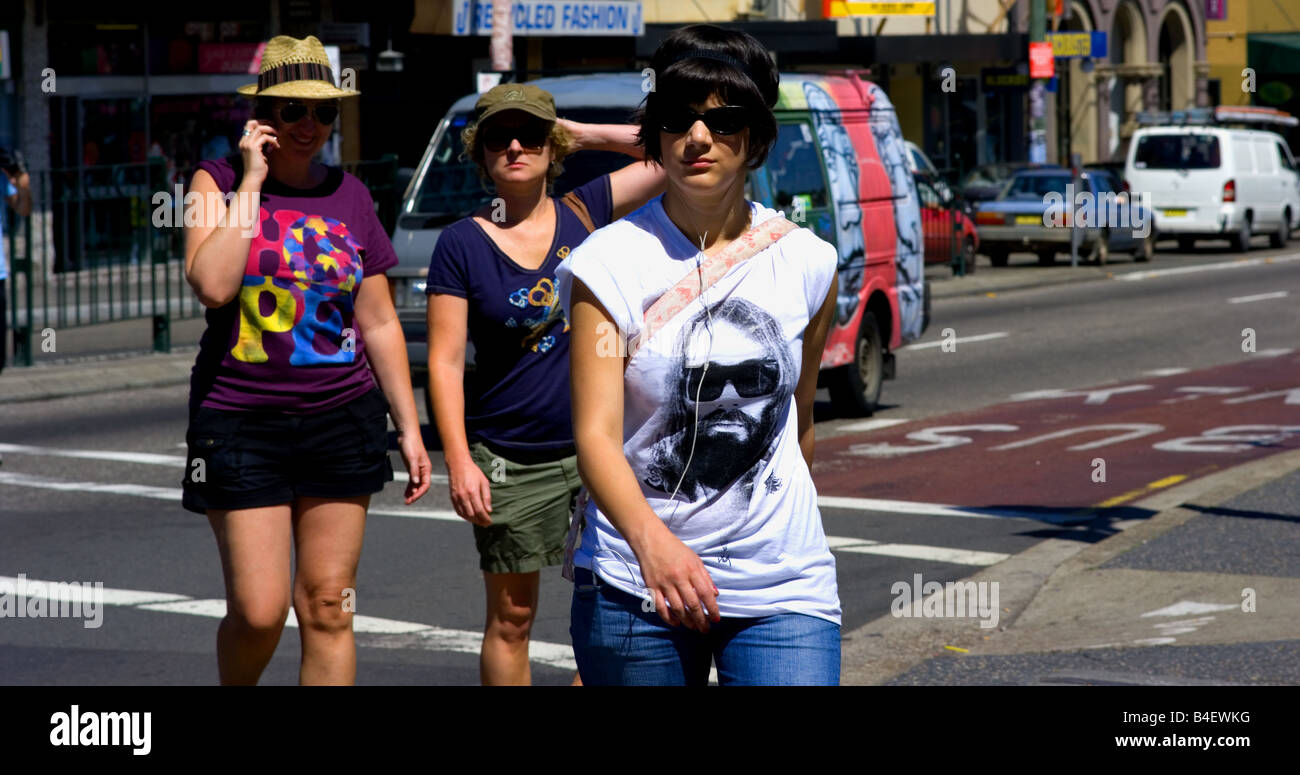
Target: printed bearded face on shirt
<point>750,376</point>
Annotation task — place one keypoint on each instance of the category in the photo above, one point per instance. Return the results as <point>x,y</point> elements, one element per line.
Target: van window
<point>1264,156</point>
<point>794,166</point>
<point>1284,156</point>
<point>929,197</point>
<point>451,187</point>
<point>1177,152</point>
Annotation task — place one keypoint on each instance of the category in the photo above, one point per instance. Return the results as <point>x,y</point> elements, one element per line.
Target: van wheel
<point>1046,257</point>
<point>1241,240</point>
<point>998,257</point>
<point>855,388</point>
<point>1283,233</point>
<point>1186,244</point>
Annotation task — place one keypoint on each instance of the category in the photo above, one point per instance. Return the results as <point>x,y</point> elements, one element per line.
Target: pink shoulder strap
<point>714,268</point>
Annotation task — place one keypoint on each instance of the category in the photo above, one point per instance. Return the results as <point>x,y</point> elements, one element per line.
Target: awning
<point>1274,53</point>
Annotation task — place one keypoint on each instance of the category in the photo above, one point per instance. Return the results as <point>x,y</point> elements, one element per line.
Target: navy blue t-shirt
<point>518,394</point>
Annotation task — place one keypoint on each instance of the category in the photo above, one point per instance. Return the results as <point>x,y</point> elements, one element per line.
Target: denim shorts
<point>618,643</point>
<point>244,460</point>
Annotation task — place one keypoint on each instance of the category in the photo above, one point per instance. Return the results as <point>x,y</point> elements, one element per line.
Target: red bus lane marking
<point>1075,450</point>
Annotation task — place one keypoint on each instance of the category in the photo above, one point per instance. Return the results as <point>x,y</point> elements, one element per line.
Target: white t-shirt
<point>746,504</point>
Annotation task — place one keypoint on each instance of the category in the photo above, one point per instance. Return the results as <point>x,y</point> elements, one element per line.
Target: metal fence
<point>105,244</point>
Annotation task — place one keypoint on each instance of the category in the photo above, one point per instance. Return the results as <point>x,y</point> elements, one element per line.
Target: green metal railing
<point>106,244</point>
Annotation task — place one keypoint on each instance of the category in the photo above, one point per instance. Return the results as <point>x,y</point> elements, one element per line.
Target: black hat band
<point>294,71</point>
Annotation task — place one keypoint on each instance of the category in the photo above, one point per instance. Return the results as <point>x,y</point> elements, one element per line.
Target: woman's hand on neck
<point>708,218</point>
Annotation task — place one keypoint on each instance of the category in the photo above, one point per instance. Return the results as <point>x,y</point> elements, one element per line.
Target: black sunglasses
<point>293,112</point>
<point>532,136</point>
<point>751,379</point>
<point>726,120</point>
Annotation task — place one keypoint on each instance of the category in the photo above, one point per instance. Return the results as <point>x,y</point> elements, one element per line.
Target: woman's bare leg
<point>327,536</point>
<point>511,607</point>
<point>255,553</point>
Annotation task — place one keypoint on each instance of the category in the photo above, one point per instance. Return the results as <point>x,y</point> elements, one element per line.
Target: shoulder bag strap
<point>714,268</point>
<point>579,209</point>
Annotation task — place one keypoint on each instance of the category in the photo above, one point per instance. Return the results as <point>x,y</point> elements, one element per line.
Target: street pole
<point>1037,121</point>
<point>501,44</point>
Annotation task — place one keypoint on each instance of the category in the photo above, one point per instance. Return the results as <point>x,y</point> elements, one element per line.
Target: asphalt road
<point>114,516</point>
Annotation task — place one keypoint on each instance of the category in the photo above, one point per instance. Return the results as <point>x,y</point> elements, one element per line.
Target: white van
<point>1211,182</point>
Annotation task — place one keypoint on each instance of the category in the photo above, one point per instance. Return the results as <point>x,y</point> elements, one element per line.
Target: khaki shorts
<point>532,502</point>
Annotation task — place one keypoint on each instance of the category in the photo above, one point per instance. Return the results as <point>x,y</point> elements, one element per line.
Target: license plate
<point>1175,213</point>
<point>1029,220</point>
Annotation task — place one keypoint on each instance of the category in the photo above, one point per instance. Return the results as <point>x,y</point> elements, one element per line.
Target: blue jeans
<point>616,643</point>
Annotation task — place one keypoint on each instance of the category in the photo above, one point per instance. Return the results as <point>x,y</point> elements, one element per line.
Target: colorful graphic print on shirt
<point>301,275</point>
<point>540,298</point>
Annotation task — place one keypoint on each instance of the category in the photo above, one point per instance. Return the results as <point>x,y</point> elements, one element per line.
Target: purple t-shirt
<point>288,341</point>
<point>518,394</point>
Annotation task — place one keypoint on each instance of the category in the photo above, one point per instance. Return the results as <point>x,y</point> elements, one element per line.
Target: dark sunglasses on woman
<point>532,136</point>
<point>726,120</point>
<point>293,112</point>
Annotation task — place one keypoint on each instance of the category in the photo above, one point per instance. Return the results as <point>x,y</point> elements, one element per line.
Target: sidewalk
<point>1160,602</point>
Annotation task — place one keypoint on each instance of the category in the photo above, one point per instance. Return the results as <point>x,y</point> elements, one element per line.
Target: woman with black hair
<point>702,540</point>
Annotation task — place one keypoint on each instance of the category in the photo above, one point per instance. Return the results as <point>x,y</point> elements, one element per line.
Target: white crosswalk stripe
<point>424,636</point>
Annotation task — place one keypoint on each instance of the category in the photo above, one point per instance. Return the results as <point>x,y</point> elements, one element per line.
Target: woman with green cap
<point>507,435</point>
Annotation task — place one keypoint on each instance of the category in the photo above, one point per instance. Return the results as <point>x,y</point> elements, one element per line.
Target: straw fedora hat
<point>295,68</point>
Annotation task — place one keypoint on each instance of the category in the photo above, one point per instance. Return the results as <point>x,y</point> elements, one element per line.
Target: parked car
<point>987,181</point>
<point>839,166</point>
<point>946,224</point>
<point>921,164</point>
<point>1032,214</point>
<point>1210,181</point>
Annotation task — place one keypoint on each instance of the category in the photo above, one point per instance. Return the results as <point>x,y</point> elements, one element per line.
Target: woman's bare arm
<point>671,571</point>
<point>814,341</point>
<point>386,351</point>
<point>216,247</point>
<point>448,323</point>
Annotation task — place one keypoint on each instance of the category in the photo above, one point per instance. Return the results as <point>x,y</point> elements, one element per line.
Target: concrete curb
<point>887,647</point>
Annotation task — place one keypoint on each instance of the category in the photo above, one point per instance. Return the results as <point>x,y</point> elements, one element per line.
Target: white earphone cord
<point>695,431</point>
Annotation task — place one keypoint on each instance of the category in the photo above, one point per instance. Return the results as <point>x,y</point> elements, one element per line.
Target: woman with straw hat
<point>288,432</point>
<point>507,437</point>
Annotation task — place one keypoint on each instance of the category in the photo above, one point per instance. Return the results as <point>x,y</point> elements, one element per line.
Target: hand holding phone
<point>256,145</point>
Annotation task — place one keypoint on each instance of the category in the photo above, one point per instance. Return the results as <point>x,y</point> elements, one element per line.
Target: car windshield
<point>451,187</point>
<point>1177,152</point>
<point>1036,186</point>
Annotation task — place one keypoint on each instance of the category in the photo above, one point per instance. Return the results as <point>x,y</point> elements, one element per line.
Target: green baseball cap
<point>515,96</point>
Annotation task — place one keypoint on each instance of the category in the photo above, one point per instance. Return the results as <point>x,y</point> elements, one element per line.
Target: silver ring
<point>247,133</point>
